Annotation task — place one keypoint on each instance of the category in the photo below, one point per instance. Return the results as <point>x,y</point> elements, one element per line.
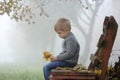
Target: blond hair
<point>63,25</point>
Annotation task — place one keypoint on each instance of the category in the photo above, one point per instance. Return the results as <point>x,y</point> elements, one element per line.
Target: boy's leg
<point>47,68</point>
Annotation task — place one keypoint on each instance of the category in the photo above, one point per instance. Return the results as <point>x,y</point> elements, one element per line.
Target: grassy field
<point>20,73</point>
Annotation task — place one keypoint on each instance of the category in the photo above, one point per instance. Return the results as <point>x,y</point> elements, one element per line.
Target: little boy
<point>70,52</point>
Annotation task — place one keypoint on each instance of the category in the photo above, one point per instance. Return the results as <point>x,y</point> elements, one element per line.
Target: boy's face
<point>62,34</point>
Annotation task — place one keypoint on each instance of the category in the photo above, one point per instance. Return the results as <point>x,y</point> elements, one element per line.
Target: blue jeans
<point>52,65</point>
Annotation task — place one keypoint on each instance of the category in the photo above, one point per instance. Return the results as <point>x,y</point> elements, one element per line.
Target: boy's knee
<point>44,67</point>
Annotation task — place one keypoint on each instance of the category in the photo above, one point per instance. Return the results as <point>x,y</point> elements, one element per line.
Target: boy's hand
<point>53,58</point>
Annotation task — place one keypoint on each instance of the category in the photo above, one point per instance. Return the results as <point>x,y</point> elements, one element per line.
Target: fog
<point>22,44</point>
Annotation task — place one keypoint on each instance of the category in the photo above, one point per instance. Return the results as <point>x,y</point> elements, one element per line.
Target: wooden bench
<point>71,75</point>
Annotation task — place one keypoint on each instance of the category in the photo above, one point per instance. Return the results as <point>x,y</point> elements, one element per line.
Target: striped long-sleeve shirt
<point>71,48</point>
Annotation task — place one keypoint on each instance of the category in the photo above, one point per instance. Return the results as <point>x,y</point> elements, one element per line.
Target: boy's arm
<point>69,51</point>
<point>53,58</point>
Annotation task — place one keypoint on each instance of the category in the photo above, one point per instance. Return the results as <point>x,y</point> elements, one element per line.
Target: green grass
<point>21,73</point>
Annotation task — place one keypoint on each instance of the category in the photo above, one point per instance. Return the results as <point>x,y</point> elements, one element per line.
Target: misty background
<point>22,44</point>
